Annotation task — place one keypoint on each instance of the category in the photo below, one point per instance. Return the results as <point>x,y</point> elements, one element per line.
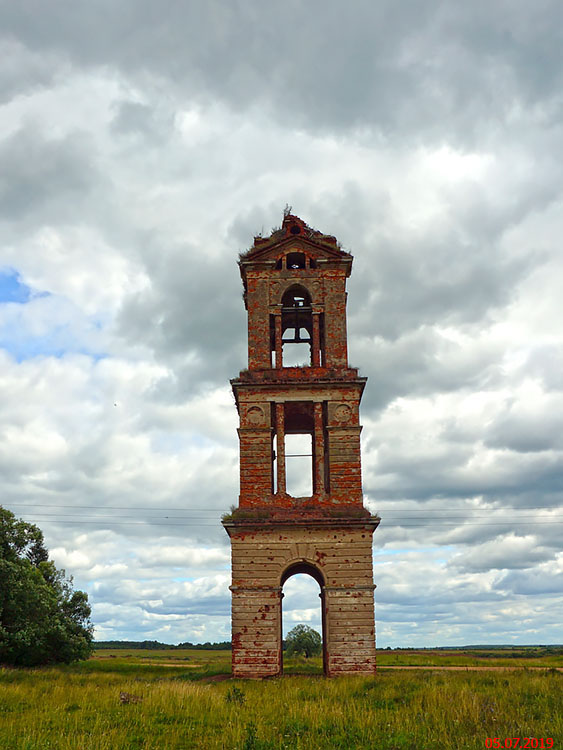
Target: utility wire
<point>396,515</point>
<point>157,522</point>
<point>459,519</point>
<point>225,510</point>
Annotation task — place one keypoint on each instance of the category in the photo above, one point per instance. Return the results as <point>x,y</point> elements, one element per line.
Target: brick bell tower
<point>295,294</point>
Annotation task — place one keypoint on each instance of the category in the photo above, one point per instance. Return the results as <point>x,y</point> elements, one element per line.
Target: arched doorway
<point>305,569</point>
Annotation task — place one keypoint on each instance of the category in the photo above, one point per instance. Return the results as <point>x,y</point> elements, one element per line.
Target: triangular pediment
<point>294,234</point>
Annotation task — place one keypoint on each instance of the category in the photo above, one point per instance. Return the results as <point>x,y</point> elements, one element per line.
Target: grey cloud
<point>486,524</point>
<point>133,117</point>
<point>23,70</point>
<point>419,363</point>
<point>446,471</point>
<point>410,67</point>
<point>438,279</point>
<point>533,582</point>
<point>184,557</point>
<point>209,605</point>
<point>511,552</point>
<point>443,274</point>
<point>546,362</point>
<point>192,316</point>
<point>51,176</point>
<point>422,597</point>
<point>459,533</point>
<point>540,430</point>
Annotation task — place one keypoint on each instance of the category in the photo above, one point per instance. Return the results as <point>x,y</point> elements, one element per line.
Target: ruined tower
<point>298,382</point>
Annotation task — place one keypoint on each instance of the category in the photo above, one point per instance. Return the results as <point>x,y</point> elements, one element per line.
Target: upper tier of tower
<point>295,294</point>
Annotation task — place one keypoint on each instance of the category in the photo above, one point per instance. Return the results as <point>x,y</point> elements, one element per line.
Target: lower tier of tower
<point>338,555</point>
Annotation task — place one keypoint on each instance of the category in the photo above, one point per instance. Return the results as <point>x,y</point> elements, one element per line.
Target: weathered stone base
<point>338,554</point>
<point>350,630</point>
<point>256,626</point>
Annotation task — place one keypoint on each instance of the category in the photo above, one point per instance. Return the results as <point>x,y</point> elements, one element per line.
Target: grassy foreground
<point>175,701</point>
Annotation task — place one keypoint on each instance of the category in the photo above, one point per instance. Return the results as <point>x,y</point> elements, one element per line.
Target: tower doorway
<point>303,594</point>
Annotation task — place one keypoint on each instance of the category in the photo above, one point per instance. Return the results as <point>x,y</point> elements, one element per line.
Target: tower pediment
<point>294,233</point>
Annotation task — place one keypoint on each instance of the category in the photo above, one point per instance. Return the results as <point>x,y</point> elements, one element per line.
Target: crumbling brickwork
<point>295,294</point>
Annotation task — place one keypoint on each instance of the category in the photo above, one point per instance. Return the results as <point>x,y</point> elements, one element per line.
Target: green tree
<point>42,620</point>
<point>303,640</point>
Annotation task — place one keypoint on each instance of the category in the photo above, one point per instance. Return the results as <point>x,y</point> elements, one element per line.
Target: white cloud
<point>184,557</point>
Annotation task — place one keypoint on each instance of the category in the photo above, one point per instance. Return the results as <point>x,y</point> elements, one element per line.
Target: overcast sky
<point>143,145</point>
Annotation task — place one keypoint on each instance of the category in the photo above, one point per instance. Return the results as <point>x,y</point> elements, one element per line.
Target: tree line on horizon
<point>158,646</point>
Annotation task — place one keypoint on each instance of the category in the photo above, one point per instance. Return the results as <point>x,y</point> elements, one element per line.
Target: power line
<point>522,518</point>
<point>394,515</point>
<point>225,510</point>
<point>156,522</point>
<point>113,507</point>
<point>140,523</point>
<point>457,517</point>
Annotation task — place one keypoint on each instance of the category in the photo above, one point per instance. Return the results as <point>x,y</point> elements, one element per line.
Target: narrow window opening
<point>274,466</point>
<point>272,341</point>
<point>322,340</point>
<point>279,263</point>
<point>298,443</point>
<point>326,448</point>
<point>299,465</point>
<point>312,263</point>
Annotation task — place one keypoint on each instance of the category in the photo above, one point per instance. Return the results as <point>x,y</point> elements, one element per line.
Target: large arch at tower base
<point>338,553</point>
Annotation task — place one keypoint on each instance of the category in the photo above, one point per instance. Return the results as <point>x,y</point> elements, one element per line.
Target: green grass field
<point>184,702</point>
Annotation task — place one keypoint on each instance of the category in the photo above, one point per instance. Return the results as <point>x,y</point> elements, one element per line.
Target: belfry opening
<point>300,507</point>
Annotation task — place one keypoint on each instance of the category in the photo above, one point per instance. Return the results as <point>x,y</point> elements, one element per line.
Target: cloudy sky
<point>143,145</point>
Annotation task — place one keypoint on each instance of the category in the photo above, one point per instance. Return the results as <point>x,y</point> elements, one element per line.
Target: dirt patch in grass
<point>166,664</point>
<point>471,669</point>
<point>216,678</point>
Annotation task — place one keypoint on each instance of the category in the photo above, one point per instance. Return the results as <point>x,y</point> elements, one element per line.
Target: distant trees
<point>303,640</point>
<point>42,620</point>
<point>158,646</point>
<point>207,646</point>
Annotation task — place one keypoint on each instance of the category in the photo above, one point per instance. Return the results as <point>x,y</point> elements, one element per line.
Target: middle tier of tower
<point>326,415</point>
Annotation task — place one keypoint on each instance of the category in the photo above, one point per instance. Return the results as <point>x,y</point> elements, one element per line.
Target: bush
<point>303,640</point>
<point>42,620</point>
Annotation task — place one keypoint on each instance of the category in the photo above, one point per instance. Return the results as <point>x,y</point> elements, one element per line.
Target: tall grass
<point>79,708</point>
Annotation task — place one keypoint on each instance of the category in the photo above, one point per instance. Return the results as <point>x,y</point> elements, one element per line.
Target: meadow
<point>172,699</point>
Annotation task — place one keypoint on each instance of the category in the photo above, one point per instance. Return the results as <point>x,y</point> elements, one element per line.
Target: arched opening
<point>297,327</point>
<point>296,260</point>
<point>303,604</point>
<point>297,335</point>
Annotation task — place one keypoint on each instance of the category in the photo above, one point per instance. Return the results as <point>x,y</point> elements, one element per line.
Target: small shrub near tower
<point>303,641</point>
